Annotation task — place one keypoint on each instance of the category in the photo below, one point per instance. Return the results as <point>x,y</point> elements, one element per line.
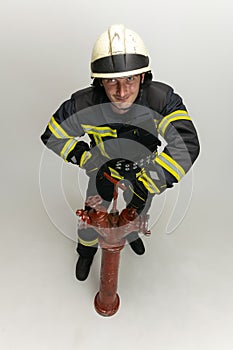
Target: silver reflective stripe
<point>174,169</point>
<point>177,115</point>
<point>68,147</point>
<point>153,175</point>
<point>100,144</point>
<point>74,160</point>
<point>102,130</point>
<point>56,129</point>
<point>86,156</point>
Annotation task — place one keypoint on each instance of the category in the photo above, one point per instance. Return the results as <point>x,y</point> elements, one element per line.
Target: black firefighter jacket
<point>157,114</point>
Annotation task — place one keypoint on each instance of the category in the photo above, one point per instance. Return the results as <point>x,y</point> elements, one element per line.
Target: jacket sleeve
<point>182,144</point>
<point>62,133</point>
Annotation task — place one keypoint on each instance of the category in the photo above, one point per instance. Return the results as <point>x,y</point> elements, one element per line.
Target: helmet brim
<point>120,74</point>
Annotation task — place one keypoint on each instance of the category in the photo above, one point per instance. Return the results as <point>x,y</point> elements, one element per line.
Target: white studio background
<point>177,296</point>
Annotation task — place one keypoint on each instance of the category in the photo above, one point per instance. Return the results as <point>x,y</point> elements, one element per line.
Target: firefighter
<point>125,114</point>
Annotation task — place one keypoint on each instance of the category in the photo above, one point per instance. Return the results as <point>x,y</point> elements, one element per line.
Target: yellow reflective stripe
<point>84,158</point>
<point>56,129</point>
<point>98,133</point>
<point>53,131</point>
<point>177,115</point>
<point>68,147</point>
<point>108,134</point>
<point>136,194</point>
<point>148,183</point>
<point>90,171</point>
<point>139,173</point>
<point>103,130</point>
<point>115,174</point>
<point>100,144</point>
<point>156,122</point>
<point>88,243</point>
<point>170,165</point>
<point>174,163</point>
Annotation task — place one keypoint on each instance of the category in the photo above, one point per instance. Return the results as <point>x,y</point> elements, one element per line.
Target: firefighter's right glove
<point>92,162</point>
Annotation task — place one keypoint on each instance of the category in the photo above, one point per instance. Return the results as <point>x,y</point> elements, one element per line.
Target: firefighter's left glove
<point>150,181</point>
<point>92,162</point>
<point>151,176</point>
<point>145,175</point>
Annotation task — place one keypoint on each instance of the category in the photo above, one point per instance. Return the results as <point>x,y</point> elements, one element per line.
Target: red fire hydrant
<point>112,229</point>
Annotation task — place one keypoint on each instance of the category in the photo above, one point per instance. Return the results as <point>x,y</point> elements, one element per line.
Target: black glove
<point>92,161</point>
<point>151,180</point>
<point>146,172</point>
<point>148,175</point>
<point>75,155</point>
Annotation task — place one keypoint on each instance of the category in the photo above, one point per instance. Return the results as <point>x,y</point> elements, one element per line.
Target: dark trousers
<point>134,196</point>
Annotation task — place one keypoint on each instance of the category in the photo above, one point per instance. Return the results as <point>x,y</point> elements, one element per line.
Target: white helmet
<point>119,52</point>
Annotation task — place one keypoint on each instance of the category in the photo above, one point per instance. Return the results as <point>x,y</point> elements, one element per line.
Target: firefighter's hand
<point>92,162</point>
<point>143,174</point>
<point>151,181</point>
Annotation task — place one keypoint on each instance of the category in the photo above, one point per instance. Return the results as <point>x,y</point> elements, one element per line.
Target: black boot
<point>83,267</point>
<point>86,256</point>
<point>136,243</point>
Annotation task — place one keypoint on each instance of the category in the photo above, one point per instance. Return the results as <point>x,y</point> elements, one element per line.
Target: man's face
<point>122,92</point>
